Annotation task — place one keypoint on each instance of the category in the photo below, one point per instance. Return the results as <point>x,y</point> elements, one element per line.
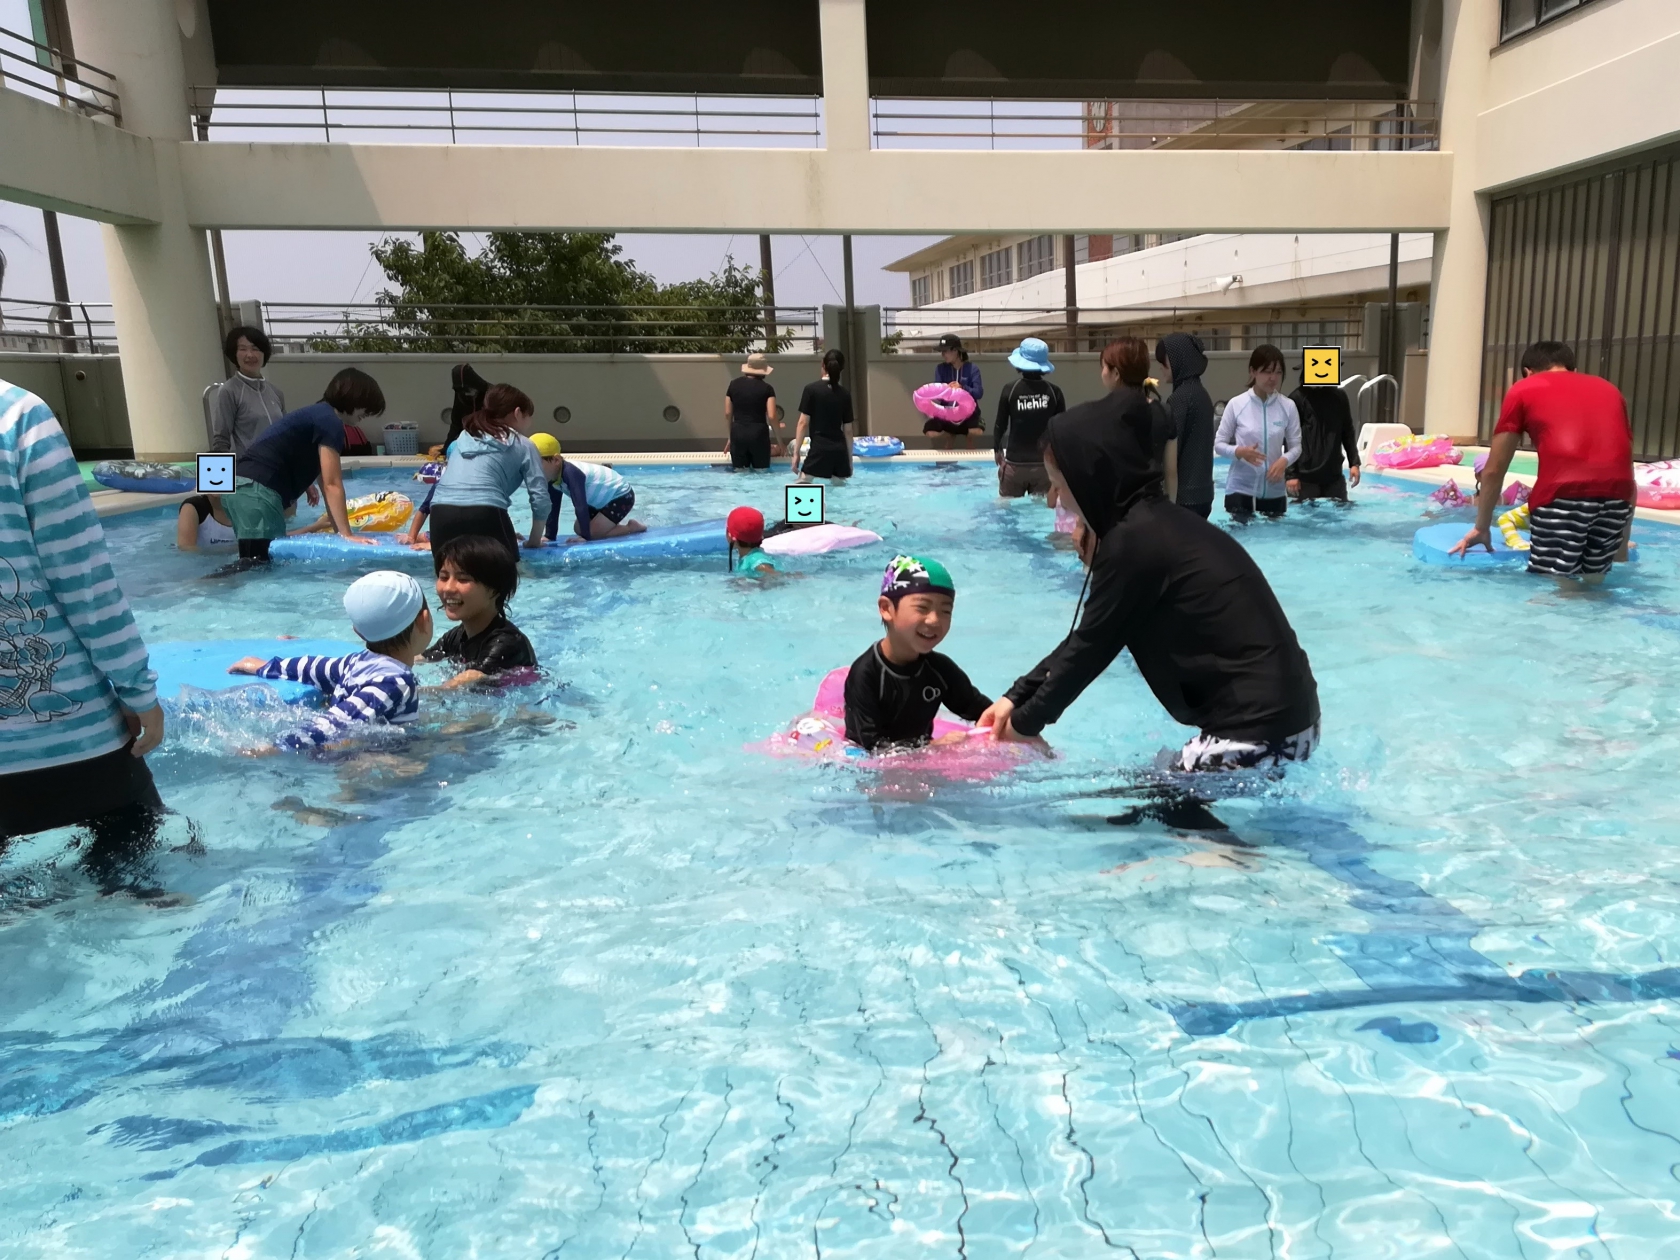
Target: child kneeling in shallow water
<point>377,685</point>
<point>477,576</point>
<point>895,689</point>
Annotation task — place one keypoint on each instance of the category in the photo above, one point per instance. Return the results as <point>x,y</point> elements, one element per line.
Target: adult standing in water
<point>78,699</point>
<point>1202,623</point>
<point>749,405</point>
<point>1327,434</point>
<point>492,459</point>
<point>1025,407</point>
<point>1192,412</point>
<point>293,453</point>
<point>825,409</point>
<point>1261,434</point>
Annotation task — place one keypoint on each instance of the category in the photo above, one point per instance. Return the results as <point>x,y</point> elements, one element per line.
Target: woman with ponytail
<point>825,409</point>
<point>491,460</point>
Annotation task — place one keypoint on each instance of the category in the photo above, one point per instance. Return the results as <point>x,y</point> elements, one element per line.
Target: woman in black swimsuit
<point>825,409</point>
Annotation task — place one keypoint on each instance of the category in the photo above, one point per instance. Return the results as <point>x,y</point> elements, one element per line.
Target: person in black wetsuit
<point>476,578</point>
<point>1202,623</point>
<point>1192,411</point>
<point>749,404</point>
<point>825,409</point>
<point>1326,435</point>
<point>1024,408</point>
<point>469,389</point>
<point>896,688</point>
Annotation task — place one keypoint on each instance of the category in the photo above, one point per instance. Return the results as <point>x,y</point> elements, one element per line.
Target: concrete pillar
<point>845,71</point>
<point>1458,290</point>
<point>161,292</point>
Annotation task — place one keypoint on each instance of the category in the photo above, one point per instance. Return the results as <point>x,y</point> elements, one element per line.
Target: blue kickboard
<point>203,665</point>
<point>148,485</point>
<point>702,538</point>
<point>1432,543</point>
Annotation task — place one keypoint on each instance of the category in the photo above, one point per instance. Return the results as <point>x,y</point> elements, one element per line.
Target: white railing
<point>39,70</point>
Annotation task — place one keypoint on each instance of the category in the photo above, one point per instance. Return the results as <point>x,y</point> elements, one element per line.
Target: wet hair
<point>396,643</point>
<point>494,418</point>
<point>1127,358</point>
<point>354,390</point>
<point>256,336</point>
<point>834,363</point>
<point>486,561</point>
<point>1265,358</point>
<point>1542,356</point>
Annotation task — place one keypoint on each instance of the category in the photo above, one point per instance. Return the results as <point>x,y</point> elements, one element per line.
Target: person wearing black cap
<point>1326,434</point>
<point>955,369</point>
<point>1200,619</point>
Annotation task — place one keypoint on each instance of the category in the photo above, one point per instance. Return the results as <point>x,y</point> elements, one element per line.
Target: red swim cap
<point>745,526</point>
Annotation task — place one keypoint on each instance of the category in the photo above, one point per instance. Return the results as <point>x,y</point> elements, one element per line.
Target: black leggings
<point>254,550</point>
<point>108,793</point>
<point>1243,506</point>
<point>749,445</point>
<point>449,521</point>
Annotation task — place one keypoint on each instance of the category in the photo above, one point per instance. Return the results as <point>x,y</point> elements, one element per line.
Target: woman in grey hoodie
<point>1192,412</point>
<point>246,404</point>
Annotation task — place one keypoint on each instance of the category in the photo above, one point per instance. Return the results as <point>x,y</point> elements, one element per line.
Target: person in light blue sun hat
<point>1024,409</point>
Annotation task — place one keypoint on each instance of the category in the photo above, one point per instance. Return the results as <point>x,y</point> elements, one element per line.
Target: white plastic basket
<point>402,439</point>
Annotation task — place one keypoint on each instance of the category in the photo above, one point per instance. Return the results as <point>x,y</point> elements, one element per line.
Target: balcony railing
<point>918,329</point>
<point>38,70</point>
<point>38,327</point>
<point>1360,126</point>
<point>451,116</point>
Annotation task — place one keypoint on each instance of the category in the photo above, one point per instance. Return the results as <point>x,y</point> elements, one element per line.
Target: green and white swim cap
<point>913,575</point>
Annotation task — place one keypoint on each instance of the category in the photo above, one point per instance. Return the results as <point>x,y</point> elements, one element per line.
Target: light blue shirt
<point>1271,426</point>
<point>487,472</point>
<point>601,485</point>
<point>71,657</point>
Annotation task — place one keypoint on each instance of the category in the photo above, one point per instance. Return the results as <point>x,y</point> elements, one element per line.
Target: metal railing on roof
<point>39,327</point>
<point>1357,126</point>
<point>459,116</point>
<point>366,328</point>
<point>914,329</point>
<point>39,70</point>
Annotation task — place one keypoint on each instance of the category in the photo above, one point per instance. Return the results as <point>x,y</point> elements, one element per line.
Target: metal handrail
<point>45,71</point>
<point>1376,382</point>
<point>458,112</point>
<point>30,319</point>
<point>1374,126</point>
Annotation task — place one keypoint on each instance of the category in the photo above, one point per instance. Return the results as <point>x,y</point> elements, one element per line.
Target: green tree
<point>549,292</point>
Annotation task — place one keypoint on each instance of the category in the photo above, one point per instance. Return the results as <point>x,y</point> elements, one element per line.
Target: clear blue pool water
<point>575,975</point>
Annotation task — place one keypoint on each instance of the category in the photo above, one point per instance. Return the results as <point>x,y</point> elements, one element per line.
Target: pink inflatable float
<point>1658,485</point>
<point>1417,452</point>
<point>944,402</point>
<point>821,733</point>
<point>815,540</point>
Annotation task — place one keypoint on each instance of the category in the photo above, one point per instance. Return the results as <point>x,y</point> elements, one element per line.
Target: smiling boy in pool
<point>895,689</point>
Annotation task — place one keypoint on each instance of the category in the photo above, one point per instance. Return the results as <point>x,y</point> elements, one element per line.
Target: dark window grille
<point>1518,17</point>
<point>1593,261</point>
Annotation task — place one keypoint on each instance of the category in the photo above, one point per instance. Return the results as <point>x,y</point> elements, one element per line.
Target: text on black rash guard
<point>893,704</point>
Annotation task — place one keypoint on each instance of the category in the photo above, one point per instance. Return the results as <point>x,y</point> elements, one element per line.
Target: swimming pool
<point>593,981</point>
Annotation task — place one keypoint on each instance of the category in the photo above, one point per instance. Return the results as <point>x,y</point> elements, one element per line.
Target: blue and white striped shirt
<point>365,687</point>
<point>601,485</point>
<point>71,657</point>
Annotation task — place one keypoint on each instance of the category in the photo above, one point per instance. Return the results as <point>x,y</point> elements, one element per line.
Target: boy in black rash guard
<point>895,689</point>
<point>1027,405</point>
<point>476,578</point>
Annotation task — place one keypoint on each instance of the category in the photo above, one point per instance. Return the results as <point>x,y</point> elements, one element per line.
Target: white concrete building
<point>1532,122</point>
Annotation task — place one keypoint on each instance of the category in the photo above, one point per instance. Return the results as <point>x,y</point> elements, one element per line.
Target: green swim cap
<point>912,575</point>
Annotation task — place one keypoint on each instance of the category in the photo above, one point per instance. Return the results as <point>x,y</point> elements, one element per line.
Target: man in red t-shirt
<point>1582,503</point>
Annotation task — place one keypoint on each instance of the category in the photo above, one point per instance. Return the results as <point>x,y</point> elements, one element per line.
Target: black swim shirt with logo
<point>895,704</point>
<point>1025,407</point>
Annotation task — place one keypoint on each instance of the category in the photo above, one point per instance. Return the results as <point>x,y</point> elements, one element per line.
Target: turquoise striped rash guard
<point>71,658</point>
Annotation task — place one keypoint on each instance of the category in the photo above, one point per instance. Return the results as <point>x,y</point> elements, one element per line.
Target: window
<point>995,270</point>
<point>962,278</point>
<point>921,290</point>
<point>1524,15</point>
<point>1035,257</point>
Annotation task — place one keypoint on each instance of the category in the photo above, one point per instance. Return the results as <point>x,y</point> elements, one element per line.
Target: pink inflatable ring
<point>1658,485</point>
<point>952,403</point>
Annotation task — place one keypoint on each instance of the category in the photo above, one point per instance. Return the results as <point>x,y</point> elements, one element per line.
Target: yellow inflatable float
<point>380,513</point>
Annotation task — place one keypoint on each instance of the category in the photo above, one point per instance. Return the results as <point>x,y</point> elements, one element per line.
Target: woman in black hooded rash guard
<point>1202,623</point>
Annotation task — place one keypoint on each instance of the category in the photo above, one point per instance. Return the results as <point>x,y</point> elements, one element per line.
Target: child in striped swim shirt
<point>601,499</point>
<point>377,685</point>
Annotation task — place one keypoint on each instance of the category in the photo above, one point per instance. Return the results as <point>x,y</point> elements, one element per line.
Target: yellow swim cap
<point>548,446</point>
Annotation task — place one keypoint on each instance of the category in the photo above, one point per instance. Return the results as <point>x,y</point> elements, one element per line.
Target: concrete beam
<point>57,160</point>
<point>488,187</point>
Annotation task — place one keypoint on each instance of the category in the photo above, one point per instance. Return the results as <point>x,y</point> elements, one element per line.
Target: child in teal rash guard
<point>745,529</point>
